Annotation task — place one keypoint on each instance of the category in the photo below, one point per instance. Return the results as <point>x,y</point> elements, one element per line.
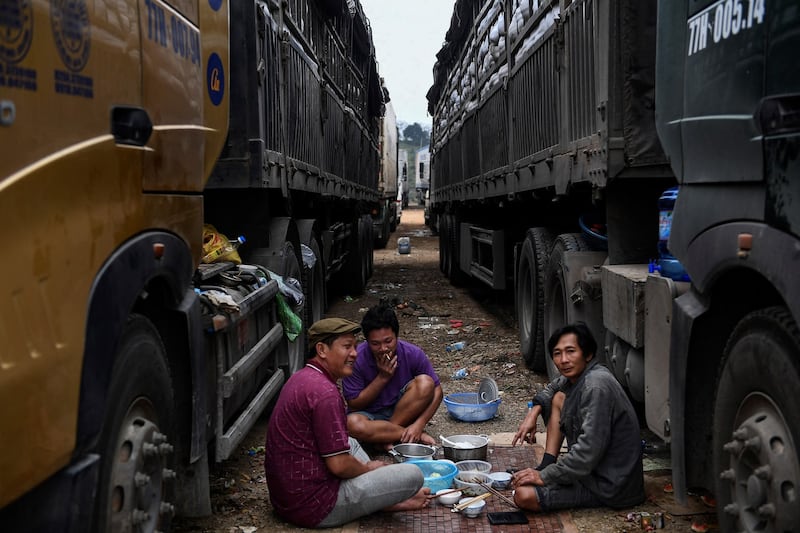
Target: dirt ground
<point>433,314</point>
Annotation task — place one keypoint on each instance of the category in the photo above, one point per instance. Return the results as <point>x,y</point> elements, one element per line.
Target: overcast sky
<point>407,35</point>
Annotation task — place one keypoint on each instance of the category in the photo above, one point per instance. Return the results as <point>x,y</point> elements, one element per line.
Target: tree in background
<point>416,134</point>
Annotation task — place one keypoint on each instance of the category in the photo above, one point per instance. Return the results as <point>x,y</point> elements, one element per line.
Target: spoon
<point>452,444</point>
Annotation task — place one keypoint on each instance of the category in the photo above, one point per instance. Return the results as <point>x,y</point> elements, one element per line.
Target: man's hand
<point>387,364</point>
<point>527,429</point>
<point>529,476</point>
<point>412,433</point>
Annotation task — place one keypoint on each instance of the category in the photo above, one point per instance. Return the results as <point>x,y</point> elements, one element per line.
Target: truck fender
<point>716,250</point>
<point>686,309</point>
<point>116,288</point>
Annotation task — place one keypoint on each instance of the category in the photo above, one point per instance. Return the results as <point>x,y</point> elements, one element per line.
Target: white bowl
<point>473,510</point>
<point>474,465</point>
<point>500,480</point>
<point>449,499</point>
<point>466,482</point>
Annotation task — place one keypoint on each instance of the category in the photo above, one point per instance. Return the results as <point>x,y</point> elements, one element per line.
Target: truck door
<point>779,117</point>
<point>173,95</point>
<point>723,85</point>
<point>67,70</point>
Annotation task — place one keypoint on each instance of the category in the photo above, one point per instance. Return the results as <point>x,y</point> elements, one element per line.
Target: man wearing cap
<point>317,475</point>
<point>393,391</point>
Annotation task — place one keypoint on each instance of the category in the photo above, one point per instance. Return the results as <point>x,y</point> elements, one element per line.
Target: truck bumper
<point>64,503</point>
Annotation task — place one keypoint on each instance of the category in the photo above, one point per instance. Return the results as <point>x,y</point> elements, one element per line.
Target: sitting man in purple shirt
<point>393,391</point>
<point>317,475</point>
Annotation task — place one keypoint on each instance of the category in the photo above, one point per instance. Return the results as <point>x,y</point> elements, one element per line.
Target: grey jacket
<point>602,431</point>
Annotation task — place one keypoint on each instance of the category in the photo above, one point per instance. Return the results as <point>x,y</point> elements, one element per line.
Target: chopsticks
<point>499,494</point>
<point>462,506</point>
<point>444,493</point>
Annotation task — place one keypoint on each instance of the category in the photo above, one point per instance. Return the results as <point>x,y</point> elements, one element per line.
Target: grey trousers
<point>372,491</point>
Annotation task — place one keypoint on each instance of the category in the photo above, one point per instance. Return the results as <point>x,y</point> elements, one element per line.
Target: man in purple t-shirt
<point>393,391</point>
<point>317,475</point>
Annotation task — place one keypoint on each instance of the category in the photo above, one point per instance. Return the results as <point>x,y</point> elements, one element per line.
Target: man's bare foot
<point>427,439</point>
<point>419,500</point>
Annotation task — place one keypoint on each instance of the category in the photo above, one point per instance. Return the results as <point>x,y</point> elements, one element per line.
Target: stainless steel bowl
<point>411,452</point>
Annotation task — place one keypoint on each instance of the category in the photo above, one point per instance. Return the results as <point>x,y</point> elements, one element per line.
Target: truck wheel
<point>757,425</point>
<point>314,286</point>
<point>454,272</point>
<point>443,248</point>
<point>383,239</point>
<point>530,297</point>
<point>369,248</point>
<point>354,273</point>
<point>135,486</point>
<point>292,356</point>
<point>559,311</point>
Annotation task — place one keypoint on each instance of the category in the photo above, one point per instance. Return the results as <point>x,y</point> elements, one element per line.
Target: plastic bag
<point>217,247</point>
<point>289,287</point>
<point>292,324</point>
<point>309,259</point>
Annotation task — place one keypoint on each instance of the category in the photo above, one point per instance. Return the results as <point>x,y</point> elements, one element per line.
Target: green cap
<point>328,328</point>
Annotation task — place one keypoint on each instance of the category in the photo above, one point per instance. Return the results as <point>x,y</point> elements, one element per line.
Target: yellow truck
<point>127,365</point>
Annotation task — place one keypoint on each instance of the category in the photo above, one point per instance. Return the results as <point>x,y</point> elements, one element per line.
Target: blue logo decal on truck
<point>215,4</point>
<point>215,79</point>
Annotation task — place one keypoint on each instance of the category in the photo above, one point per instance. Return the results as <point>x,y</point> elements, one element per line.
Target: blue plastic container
<point>668,264</point>
<point>466,406</point>
<point>438,475</point>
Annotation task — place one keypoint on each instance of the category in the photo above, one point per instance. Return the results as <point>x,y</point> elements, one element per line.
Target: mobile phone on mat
<point>511,517</point>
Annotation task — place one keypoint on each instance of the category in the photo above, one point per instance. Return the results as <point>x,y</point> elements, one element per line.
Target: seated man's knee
<point>526,498</point>
<point>357,425</point>
<point>422,385</point>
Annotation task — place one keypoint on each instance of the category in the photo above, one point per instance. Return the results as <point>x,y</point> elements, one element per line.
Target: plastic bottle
<point>461,373</point>
<point>455,347</point>
<point>668,265</point>
<point>226,252</point>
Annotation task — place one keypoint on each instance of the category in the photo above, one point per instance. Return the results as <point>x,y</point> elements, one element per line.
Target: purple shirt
<point>411,362</point>
<point>308,424</point>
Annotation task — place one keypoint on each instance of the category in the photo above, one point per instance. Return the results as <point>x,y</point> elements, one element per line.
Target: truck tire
<point>314,287</point>
<point>135,483</point>
<point>443,246</point>
<point>530,297</point>
<point>292,355</point>
<point>757,425</point>
<point>454,272</point>
<point>354,273</point>
<point>383,239</point>
<point>559,311</point>
<point>369,247</point>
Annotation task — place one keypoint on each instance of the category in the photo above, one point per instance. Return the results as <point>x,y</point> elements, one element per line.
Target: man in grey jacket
<point>586,404</point>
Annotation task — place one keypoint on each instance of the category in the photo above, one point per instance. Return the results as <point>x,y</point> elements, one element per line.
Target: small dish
<point>473,510</point>
<point>449,500</point>
<point>500,480</point>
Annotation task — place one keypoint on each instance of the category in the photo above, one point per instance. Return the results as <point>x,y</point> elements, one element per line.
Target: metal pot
<point>471,447</point>
<point>411,452</point>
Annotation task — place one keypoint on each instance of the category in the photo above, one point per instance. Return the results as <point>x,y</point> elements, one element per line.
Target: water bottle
<point>455,347</point>
<point>668,264</point>
<point>461,373</point>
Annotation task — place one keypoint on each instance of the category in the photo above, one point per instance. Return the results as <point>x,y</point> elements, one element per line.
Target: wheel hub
<point>763,468</point>
<point>139,471</point>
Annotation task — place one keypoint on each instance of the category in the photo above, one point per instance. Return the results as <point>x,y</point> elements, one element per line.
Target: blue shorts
<point>553,497</point>
<point>385,413</point>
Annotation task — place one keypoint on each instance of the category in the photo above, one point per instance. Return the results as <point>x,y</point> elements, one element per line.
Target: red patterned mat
<point>438,518</point>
